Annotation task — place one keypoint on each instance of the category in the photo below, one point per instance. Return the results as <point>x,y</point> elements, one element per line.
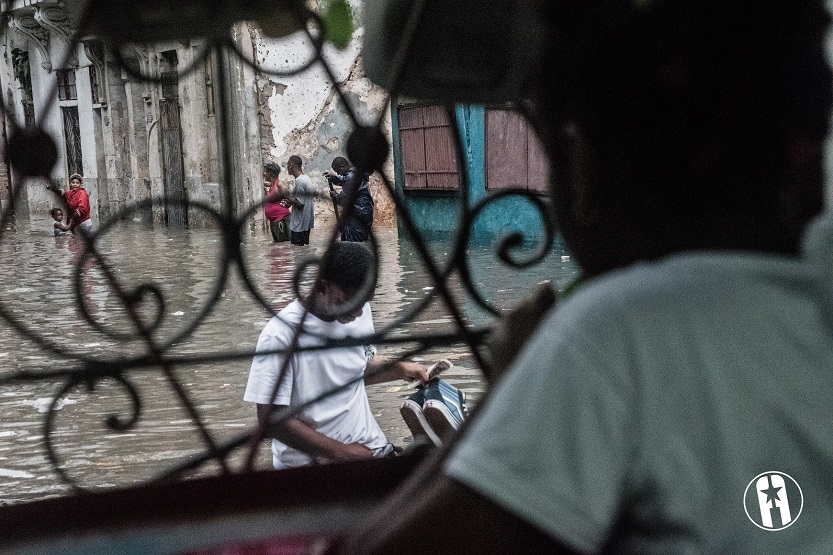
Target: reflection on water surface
<point>39,290</point>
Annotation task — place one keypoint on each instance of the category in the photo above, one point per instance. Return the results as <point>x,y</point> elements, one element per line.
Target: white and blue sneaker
<point>444,407</point>
<point>411,411</point>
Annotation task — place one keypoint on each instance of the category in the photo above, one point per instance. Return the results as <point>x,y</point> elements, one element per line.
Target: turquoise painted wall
<point>437,213</point>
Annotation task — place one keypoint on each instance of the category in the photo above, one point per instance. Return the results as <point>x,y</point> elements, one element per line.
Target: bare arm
<point>276,191</point>
<point>295,202</point>
<point>387,371</point>
<point>301,436</point>
<point>445,516</point>
<point>348,183</point>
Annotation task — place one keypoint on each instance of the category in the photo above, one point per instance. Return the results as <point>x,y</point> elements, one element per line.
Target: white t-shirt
<point>654,396</point>
<point>344,416</point>
<point>302,219</point>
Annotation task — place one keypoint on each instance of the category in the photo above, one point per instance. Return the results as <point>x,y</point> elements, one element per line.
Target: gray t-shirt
<point>649,412</point>
<point>302,219</point>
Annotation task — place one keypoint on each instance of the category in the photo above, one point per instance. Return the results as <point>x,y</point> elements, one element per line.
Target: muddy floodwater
<point>174,278</point>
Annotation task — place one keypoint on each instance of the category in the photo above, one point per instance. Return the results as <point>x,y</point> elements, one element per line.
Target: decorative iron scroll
<point>33,153</point>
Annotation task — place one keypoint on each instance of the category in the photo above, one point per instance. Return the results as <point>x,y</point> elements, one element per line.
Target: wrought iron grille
<point>32,154</point>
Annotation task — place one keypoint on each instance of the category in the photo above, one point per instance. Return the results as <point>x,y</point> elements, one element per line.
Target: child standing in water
<point>58,226</point>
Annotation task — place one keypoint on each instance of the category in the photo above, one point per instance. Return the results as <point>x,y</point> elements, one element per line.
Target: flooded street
<point>178,272</point>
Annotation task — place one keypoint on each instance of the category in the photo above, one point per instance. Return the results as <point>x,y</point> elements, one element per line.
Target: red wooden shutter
<point>426,143</point>
<point>514,156</point>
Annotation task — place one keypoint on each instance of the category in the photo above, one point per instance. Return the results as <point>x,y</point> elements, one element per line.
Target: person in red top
<point>276,207</point>
<point>78,204</point>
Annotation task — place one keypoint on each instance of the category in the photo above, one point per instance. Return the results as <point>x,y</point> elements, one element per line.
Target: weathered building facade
<point>135,139</point>
<point>500,152</point>
<point>301,113</point>
<point>132,139</point>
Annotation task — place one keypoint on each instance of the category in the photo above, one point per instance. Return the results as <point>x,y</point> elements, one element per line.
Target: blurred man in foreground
<point>680,400</point>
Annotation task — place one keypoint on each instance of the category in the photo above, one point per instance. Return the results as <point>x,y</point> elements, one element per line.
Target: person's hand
<point>414,372</point>
<point>328,173</point>
<point>513,330</point>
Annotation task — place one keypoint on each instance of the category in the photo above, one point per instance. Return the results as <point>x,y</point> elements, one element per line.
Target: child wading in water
<point>58,226</point>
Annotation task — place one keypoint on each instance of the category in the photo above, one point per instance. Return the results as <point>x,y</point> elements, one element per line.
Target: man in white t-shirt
<point>680,401</point>
<point>302,217</point>
<point>324,388</point>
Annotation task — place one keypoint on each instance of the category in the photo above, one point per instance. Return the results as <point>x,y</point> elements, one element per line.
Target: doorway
<point>176,197</point>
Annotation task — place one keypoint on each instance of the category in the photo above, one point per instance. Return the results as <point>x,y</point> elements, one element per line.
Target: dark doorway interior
<point>176,197</point>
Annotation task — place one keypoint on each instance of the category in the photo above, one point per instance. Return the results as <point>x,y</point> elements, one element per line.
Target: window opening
<point>23,75</point>
<point>515,157</point>
<point>168,74</point>
<point>96,99</point>
<point>426,140</point>
<point>72,138</point>
<point>66,84</point>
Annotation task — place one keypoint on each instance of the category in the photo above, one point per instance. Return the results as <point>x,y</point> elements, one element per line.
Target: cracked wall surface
<point>303,114</point>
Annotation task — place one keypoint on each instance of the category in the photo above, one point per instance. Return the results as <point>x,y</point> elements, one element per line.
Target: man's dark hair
<point>272,169</point>
<point>340,165</point>
<point>296,161</point>
<point>704,120</point>
<point>347,265</point>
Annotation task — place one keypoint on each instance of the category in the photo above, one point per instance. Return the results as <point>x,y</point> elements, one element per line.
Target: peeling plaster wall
<point>303,114</point>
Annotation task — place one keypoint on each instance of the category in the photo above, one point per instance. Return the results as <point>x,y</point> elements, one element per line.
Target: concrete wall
<point>11,97</point>
<point>48,115</point>
<point>303,114</point>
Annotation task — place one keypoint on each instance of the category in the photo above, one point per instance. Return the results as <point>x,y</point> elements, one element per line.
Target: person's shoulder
<point>365,322</point>
<point>285,321</point>
<point>359,327</point>
<point>644,290</point>
<point>625,290</point>
<point>303,182</point>
<point>363,325</point>
<point>292,313</point>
